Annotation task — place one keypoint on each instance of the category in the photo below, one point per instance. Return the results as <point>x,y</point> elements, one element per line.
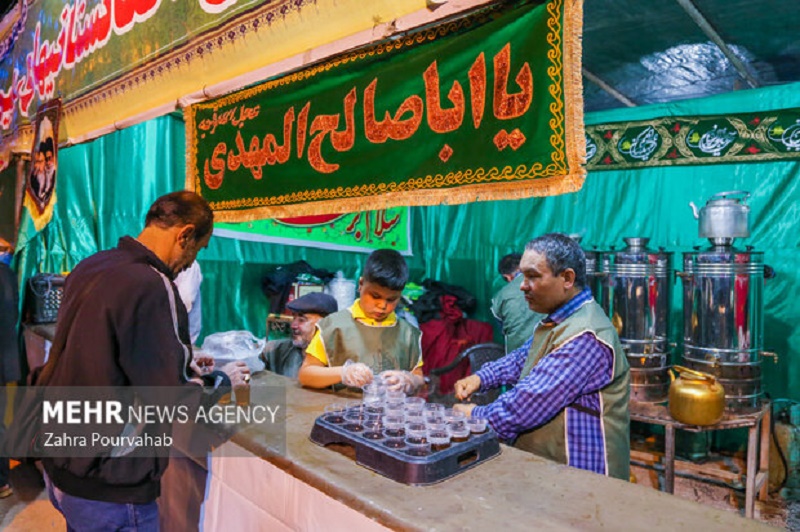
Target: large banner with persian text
<point>486,107</point>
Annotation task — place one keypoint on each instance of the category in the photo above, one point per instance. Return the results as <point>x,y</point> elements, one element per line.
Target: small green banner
<point>360,231</point>
<point>482,108</point>
<point>739,138</point>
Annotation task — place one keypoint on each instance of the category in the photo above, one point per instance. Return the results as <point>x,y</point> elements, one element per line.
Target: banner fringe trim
<point>466,194</point>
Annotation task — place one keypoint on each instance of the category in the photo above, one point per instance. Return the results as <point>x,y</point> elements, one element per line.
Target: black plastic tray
<point>397,465</point>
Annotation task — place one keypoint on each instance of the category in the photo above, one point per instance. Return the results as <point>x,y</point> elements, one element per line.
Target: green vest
<point>381,348</point>
<point>549,440</point>
<point>509,306</point>
<point>283,358</point>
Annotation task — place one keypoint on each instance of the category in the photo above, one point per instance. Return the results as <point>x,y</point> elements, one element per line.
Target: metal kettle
<point>696,398</point>
<point>724,217</point>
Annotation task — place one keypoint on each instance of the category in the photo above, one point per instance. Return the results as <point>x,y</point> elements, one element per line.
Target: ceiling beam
<point>609,89</point>
<point>711,33</point>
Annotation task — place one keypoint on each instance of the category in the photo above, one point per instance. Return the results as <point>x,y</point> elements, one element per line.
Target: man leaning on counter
<point>571,379</point>
<point>286,356</point>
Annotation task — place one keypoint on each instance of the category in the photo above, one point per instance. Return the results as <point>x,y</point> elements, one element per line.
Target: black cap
<point>315,302</point>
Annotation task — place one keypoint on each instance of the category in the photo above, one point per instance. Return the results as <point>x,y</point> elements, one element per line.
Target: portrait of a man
<point>42,177</point>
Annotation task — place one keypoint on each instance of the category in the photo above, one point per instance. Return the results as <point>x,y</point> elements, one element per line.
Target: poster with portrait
<point>40,194</point>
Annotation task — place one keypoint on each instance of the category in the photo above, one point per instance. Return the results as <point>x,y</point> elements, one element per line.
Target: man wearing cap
<point>286,356</point>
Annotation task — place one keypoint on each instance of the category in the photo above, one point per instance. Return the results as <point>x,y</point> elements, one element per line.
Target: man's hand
<point>467,386</point>
<point>237,372</point>
<point>356,374</point>
<point>202,364</point>
<point>466,408</point>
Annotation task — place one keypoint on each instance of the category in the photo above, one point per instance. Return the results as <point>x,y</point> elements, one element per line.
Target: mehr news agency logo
<point>93,413</point>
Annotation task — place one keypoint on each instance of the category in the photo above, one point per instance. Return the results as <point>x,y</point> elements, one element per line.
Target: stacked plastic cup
<point>394,431</point>
<point>334,413</point>
<point>417,439</point>
<point>354,420</point>
<point>414,403</point>
<point>374,397</point>
<point>477,425</point>
<point>394,409</point>
<point>438,436</point>
<point>459,432</point>
<point>373,427</point>
<point>434,413</point>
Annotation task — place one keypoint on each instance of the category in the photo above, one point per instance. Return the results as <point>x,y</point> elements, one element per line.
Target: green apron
<point>550,440</point>
<point>379,347</point>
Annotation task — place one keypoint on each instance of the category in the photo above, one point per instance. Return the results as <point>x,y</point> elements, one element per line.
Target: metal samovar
<point>723,303</point>
<point>634,290</point>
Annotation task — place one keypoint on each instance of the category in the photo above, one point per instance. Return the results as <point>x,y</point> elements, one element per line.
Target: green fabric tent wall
<point>105,186</point>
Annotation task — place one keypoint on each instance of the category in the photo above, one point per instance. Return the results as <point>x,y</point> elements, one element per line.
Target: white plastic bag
<point>230,346</point>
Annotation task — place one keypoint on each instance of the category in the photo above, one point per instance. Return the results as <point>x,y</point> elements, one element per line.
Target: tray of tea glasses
<point>419,448</point>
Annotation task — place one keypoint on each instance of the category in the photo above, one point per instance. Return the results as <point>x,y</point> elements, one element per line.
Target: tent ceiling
<point>637,53</point>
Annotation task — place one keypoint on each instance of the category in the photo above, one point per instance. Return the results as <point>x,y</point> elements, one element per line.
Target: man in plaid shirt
<point>571,379</point>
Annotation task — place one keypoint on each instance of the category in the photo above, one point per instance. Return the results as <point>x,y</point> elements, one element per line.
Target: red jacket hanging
<point>445,338</point>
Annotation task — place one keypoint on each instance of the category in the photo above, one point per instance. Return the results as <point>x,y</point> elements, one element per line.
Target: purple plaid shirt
<point>571,375</point>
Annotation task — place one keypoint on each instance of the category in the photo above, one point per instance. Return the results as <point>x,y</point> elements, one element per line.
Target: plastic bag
<point>230,346</point>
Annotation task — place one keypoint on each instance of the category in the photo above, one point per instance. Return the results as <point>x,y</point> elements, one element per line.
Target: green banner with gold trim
<point>736,138</point>
<point>486,107</point>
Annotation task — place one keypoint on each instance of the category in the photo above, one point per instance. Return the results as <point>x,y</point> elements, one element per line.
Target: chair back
<point>479,355</point>
<point>482,353</point>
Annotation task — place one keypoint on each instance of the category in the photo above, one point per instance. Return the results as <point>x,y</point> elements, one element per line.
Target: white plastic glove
<point>397,380</point>
<point>356,374</point>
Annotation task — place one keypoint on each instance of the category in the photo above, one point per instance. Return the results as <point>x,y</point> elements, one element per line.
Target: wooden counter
<point>516,490</point>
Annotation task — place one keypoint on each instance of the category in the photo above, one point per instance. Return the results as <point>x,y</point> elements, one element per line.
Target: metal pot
<point>696,398</point>
<point>724,217</point>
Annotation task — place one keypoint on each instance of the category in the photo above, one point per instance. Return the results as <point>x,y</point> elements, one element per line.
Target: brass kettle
<point>696,398</point>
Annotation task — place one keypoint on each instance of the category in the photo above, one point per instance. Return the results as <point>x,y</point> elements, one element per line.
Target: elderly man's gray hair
<point>561,252</point>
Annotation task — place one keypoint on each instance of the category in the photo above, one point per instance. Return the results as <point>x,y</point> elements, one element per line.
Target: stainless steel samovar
<point>723,303</point>
<point>634,290</point>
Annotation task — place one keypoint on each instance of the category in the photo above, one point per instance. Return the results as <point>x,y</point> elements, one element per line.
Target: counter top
<point>504,492</point>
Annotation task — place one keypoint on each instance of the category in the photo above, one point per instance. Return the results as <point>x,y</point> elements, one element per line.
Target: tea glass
<point>395,396</point>
<point>373,427</point>
<point>454,416</point>
<point>458,432</point>
<point>394,409</point>
<point>394,430</point>
<point>354,421</point>
<point>334,413</point>
<point>439,438</point>
<point>417,439</point>
<point>414,416</point>
<point>434,408</point>
<point>477,425</point>
<point>414,403</point>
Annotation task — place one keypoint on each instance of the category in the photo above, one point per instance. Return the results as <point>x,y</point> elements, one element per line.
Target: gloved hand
<point>356,374</point>
<point>399,380</point>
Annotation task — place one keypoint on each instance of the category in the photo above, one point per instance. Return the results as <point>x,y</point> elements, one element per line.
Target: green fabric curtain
<point>105,187</point>
<point>104,190</point>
